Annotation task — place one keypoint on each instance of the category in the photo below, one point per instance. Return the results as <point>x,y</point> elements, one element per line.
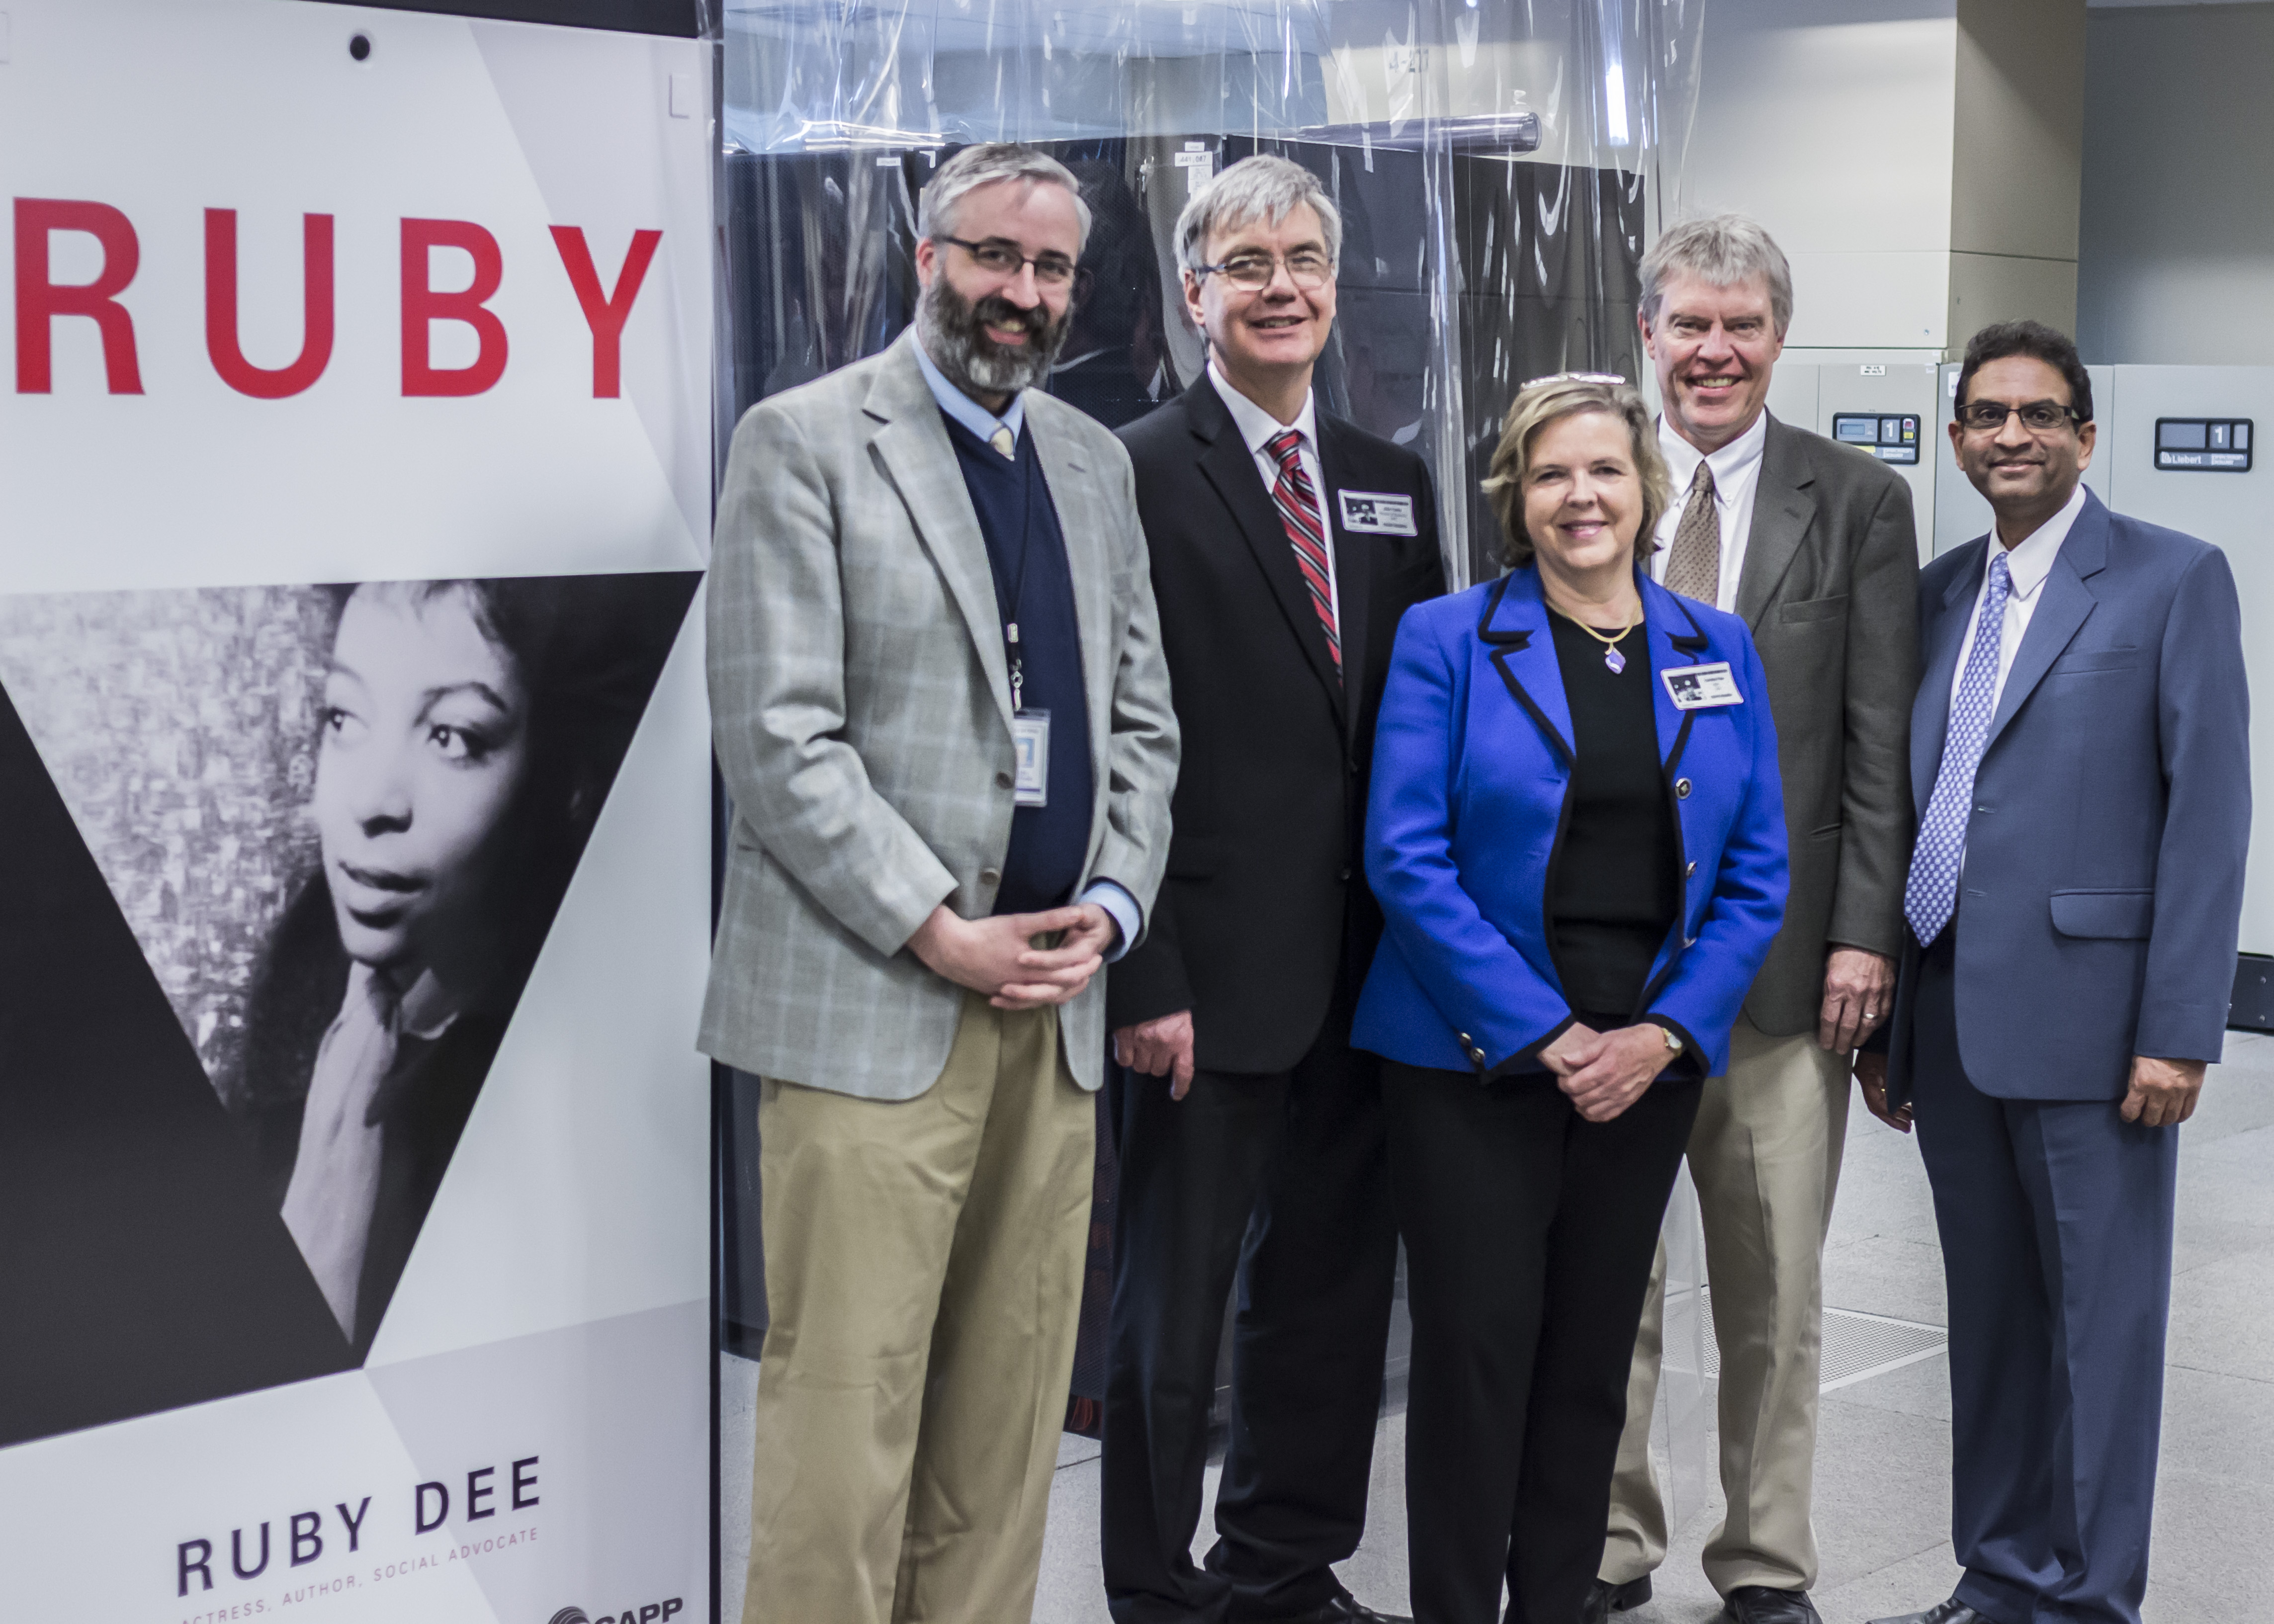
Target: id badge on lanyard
<point>1030,740</point>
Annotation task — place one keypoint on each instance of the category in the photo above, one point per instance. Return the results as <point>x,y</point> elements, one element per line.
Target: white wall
<point>2176,261</point>
<point>1837,136</point>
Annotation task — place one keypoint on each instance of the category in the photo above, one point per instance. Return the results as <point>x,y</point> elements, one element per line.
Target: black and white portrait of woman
<point>341,821</point>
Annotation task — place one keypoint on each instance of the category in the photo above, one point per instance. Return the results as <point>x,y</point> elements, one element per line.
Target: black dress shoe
<point>1604,1599</point>
<point>1341,1608</point>
<point>1758,1604</point>
<point>1951,1611</point>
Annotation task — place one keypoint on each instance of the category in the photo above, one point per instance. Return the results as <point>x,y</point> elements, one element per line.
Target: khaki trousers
<point>1766,1158</point>
<point>923,1281</point>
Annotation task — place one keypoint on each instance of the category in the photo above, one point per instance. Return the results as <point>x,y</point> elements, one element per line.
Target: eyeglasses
<point>1003,258</point>
<point>1251,273</point>
<point>1609,378</point>
<point>2038,417</point>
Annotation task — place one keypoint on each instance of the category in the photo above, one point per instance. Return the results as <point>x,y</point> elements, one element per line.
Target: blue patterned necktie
<point>1931,894</point>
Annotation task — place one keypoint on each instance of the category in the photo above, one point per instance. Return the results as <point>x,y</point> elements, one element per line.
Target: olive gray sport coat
<point>860,707</point>
<point>1830,588</point>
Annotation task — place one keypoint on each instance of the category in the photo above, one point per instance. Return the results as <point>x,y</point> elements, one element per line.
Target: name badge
<point>1701,688</point>
<point>1377,513</point>
<point>1030,739</point>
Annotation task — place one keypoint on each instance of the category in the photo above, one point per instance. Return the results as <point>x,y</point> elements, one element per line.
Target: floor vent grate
<point>1856,1346</point>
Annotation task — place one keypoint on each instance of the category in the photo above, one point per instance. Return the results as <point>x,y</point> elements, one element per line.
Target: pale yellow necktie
<point>1694,567</point>
<point>1002,440</point>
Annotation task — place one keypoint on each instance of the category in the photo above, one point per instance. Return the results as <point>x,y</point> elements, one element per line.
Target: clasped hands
<point>1604,1072</point>
<point>998,956</point>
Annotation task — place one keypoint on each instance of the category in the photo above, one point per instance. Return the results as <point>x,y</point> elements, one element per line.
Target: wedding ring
<point>1871,1014</point>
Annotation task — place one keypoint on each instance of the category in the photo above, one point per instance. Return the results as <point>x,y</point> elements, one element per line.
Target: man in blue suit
<point>2080,766</point>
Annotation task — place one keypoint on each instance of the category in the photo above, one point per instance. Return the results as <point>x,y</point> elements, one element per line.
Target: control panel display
<point>2204,445</point>
<point>1889,439</point>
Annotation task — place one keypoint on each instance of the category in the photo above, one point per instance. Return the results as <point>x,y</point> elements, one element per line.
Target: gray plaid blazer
<point>861,706</point>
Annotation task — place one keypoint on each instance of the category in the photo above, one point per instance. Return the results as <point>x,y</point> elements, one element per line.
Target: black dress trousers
<point>1280,1179</point>
<point>1529,1236</point>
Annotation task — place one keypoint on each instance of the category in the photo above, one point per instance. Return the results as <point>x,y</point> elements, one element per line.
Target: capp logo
<point>651,1612</point>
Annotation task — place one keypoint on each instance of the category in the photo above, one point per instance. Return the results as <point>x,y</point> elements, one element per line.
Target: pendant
<point>1616,660</point>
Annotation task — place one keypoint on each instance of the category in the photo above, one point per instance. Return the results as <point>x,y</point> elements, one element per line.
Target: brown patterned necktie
<point>1694,567</point>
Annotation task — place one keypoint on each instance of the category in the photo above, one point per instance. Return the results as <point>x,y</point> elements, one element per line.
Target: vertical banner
<point>354,817</point>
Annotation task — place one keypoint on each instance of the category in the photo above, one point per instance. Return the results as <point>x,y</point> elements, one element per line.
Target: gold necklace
<point>1610,640</point>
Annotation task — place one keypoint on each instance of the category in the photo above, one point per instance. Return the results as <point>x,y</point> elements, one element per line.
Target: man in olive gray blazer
<point>942,712</point>
<point>1814,545</point>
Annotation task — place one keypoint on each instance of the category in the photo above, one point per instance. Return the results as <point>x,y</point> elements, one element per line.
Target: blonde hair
<point>1546,402</point>
<point>1723,250</point>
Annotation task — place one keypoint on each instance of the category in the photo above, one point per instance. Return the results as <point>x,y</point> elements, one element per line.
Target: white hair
<point>983,165</point>
<point>1723,250</point>
<point>1262,187</point>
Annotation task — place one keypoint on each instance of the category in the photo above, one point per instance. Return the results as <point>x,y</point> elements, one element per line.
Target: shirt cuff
<point>1109,895</point>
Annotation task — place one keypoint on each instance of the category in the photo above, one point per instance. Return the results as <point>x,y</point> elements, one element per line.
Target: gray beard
<point>951,328</point>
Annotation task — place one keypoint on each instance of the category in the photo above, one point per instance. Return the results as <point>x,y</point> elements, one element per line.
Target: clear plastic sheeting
<point>1498,166</point>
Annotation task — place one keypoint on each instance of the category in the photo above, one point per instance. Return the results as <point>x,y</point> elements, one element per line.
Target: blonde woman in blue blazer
<point>1577,834</point>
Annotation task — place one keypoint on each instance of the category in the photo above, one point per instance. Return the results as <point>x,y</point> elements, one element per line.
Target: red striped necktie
<point>1298,511</point>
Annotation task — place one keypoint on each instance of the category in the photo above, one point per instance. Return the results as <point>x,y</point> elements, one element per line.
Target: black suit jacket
<point>1266,902</point>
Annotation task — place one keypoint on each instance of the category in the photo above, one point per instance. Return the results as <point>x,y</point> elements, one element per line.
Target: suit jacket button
<point>1345,873</point>
<point>1682,789</point>
<point>1477,1054</point>
<point>1690,872</point>
<point>991,876</point>
<point>1466,1039</point>
<point>1003,780</point>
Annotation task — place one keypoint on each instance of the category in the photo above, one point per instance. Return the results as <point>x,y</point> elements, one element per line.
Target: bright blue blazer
<point>1471,784</point>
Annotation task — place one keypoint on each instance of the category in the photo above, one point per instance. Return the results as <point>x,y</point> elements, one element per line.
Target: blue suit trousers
<point>2057,1220</point>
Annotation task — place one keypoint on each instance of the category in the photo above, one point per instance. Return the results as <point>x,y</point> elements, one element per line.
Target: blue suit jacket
<point>1471,779</point>
<point>2103,888</point>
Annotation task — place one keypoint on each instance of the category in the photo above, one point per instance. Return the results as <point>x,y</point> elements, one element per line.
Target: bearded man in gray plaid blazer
<point>942,711</point>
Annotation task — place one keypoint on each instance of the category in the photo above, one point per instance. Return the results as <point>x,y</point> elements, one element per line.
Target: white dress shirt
<point>1107,894</point>
<point>1736,476</point>
<point>2028,562</point>
<point>1257,427</point>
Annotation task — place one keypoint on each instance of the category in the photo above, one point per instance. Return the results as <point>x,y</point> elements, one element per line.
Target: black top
<point>1613,897</point>
<point>1033,586</point>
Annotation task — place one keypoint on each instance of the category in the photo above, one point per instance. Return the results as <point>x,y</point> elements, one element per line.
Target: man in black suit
<point>1285,545</point>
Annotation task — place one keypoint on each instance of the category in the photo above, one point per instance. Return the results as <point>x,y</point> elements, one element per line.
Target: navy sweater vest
<point>1033,586</point>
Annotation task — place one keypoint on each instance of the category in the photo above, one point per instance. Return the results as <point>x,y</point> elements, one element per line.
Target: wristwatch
<point>1674,1043</point>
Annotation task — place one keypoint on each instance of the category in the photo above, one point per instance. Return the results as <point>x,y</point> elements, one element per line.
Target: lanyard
<point>1011,648</point>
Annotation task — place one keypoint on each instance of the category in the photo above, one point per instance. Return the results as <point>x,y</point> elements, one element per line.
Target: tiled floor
<point>1883,1457</point>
